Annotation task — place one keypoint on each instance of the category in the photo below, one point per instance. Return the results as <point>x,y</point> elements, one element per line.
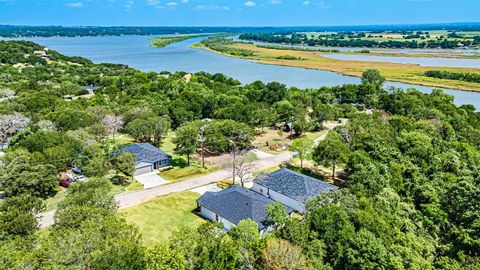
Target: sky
<point>236,12</point>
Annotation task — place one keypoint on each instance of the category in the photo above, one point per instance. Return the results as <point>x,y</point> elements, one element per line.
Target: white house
<point>290,188</point>
<point>234,204</point>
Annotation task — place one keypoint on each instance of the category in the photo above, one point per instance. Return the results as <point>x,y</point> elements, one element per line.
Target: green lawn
<point>157,219</point>
<point>52,202</point>
<point>167,145</point>
<point>121,140</point>
<point>178,174</point>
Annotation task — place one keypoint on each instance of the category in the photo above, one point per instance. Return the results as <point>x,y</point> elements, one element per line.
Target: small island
<point>161,42</point>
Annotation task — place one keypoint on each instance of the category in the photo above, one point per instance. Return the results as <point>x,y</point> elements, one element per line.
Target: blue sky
<point>236,12</point>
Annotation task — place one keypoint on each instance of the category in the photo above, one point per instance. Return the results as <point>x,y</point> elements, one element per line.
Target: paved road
<point>132,198</point>
<point>329,125</point>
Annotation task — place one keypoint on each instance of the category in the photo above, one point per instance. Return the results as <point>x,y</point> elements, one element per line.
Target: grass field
<point>407,73</point>
<point>178,174</point>
<point>159,218</point>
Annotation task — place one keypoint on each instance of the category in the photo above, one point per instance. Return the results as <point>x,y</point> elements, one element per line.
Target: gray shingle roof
<point>294,185</point>
<point>146,153</point>
<point>237,203</point>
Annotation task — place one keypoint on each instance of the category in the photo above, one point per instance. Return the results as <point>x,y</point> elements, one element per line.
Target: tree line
<point>341,41</point>
<point>459,76</point>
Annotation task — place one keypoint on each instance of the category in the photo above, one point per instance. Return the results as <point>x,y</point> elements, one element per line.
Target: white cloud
<point>128,6</point>
<point>250,4</point>
<point>171,4</point>
<point>211,7</point>
<point>74,4</point>
<point>306,3</point>
<point>153,2</point>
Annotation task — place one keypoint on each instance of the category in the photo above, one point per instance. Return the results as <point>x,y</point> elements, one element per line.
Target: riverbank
<point>406,73</point>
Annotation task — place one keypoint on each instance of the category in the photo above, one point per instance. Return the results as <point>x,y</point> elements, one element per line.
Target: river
<point>135,51</point>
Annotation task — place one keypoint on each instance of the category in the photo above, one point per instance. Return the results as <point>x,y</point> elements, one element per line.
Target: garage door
<point>142,169</point>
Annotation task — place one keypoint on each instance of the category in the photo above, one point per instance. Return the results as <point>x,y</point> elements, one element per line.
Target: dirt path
<point>132,198</point>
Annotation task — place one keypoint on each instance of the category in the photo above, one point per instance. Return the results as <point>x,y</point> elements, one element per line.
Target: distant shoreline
<point>405,73</point>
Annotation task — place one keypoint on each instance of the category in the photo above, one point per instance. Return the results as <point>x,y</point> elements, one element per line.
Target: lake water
<point>135,52</point>
<point>422,61</point>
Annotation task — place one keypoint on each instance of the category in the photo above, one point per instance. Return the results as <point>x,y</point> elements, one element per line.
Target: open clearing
<point>158,219</point>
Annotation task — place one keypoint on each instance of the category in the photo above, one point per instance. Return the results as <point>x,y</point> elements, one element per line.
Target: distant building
<point>91,92</point>
<point>39,53</point>
<point>148,157</point>
<point>234,204</point>
<point>290,188</point>
<point>90,88</point>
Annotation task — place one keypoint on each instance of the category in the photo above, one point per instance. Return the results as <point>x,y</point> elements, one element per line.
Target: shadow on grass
<point>179,162</point>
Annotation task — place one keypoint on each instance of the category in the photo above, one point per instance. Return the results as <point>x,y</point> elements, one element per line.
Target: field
<point>158,219</point>
<point>407,73</point>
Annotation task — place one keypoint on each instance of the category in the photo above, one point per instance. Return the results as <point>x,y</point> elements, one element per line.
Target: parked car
<point>77,170</point>
<point>65,182</point>
<point>80,178</point>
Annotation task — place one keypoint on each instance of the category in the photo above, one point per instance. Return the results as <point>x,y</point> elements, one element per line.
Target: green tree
<point>331,152</point>
<point>247,239</point>
<point>100,240</point>
<point>276,215</point>
<point>18,216</point>
<point>71,119</point>
<point>186,140</point>
<point>280,254</point>
<point>152,128</point>
<point>163,257</point>
<point>372,76</point>
<point>94,161</point>
<point>302,146</point>
<point>23,173</point>
<point>125,163</point>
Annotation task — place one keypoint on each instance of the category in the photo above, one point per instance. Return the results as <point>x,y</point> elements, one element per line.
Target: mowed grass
<point>158,219</point>
<point>53,202</point>
<point>178,174</point>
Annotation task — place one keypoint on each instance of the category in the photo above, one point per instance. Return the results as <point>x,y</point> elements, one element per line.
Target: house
<point>148,157</point>
<point>91,92</point>
<point>290,188</point>
<point>40,53</point>
<point>90,88</point>
<point>234,204</point>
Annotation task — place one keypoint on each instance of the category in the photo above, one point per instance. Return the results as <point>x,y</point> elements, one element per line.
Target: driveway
<point>208,188</point>
<point>150,180</point>
<point>261,154</point>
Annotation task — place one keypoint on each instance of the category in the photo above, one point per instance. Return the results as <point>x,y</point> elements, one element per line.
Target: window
<point>216,217</point>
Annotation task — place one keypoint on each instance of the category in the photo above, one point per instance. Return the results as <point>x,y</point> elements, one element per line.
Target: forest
<point>359,40</point>
<point>410,196</point>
